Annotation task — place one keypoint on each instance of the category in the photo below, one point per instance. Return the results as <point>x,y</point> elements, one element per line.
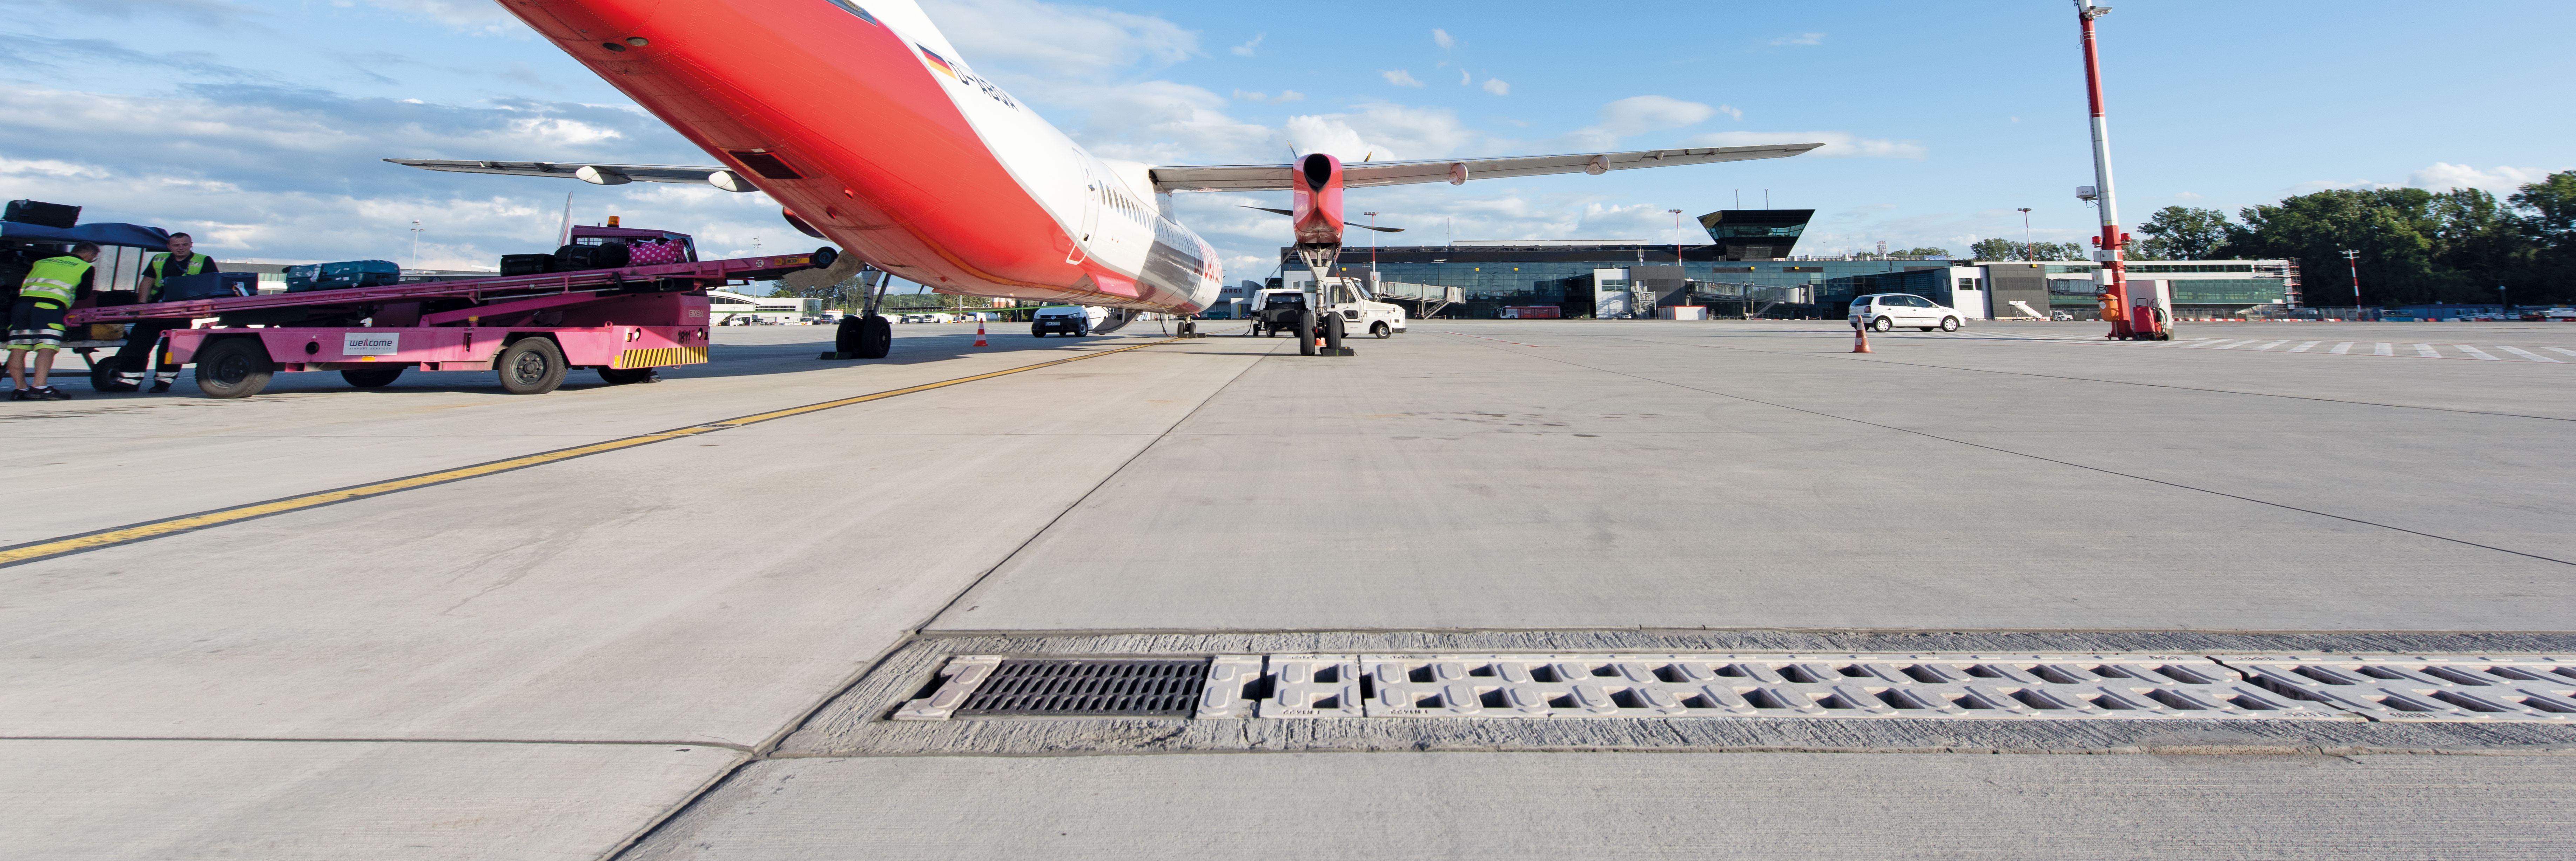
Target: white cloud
<point>2185,195</point>
<point>1731,111</point>
<point>1245,49</point>
<point>1400,77</point>
<point>1382,131</point>
<point>2443,176</point>
<point>47,167</point>
<point>483,17</point>
<point>1637,115</point>
<point>209,13</point>
<point>292,175</point>
<point>1800,39</point>
<point>1836,144</point>
<point>1285,96</point>
<point>1059,40</point>
<point>1441,37</point>
<point>1465,78</point>
<point>1497,87</point>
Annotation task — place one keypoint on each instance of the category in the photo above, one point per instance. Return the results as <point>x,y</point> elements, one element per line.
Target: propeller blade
<point>1268,209</point>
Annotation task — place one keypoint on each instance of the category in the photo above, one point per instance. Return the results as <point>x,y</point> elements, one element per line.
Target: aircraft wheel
<point>1305,333</point>
<point>876,338</point>
<point>1333,333</point>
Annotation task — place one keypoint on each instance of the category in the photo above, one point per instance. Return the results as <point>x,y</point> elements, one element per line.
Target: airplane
<point>870,130</point>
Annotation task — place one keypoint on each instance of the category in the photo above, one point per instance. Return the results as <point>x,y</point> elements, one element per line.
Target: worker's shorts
<point>35,324</point>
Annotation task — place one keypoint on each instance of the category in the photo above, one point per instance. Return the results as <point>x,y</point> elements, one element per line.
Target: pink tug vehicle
<point>531,329</point>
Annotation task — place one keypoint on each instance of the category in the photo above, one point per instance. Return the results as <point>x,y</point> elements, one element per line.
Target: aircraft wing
<point>1276,177</point>
<point>599,174</point>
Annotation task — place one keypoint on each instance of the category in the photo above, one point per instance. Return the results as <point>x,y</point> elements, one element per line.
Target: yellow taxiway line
<point>53,547</point>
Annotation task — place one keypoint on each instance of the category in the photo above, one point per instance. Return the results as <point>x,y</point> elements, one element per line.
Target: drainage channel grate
<point>2397,689</point>
<point>1853,686</point>
<point>988,686</point>
<point>1991,687</point>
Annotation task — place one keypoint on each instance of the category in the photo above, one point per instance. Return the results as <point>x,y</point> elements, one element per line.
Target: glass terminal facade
<point>1500,274</point>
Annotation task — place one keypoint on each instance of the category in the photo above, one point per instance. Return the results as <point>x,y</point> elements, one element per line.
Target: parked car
<point>1884,311</point>
<point>1076,320</point>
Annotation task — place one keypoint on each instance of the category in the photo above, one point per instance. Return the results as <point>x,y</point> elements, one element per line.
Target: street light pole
<point>2025,233</point>
<point>415,243</point>
<point>1372,247</point>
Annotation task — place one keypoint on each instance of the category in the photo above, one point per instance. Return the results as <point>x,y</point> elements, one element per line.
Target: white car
<point>1884,311</point>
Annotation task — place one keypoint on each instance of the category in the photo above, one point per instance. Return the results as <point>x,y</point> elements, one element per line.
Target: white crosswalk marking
<point>2527,354</point>
<point>2562,350</point>
<point>2474,352</point>
<point>2302,348</point>
<point>2341,348</point>
<point>2271,345</point>
<point>2427,351</point>
<point>2203,343</point>
<point>2239,344</point>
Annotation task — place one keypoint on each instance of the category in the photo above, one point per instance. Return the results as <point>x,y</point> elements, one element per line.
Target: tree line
<point>2415,246</point>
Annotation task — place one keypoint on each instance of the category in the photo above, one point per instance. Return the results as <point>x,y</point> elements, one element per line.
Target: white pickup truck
<point>1344,297</point>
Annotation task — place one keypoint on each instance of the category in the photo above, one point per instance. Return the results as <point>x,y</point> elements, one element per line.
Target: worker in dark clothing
<point>36,319</point>
<point>139,340</point>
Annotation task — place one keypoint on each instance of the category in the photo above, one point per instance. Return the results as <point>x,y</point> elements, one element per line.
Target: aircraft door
<point>1087,224</point>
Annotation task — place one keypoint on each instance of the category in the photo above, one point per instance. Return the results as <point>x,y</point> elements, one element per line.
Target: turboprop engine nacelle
<point>1317,195</point>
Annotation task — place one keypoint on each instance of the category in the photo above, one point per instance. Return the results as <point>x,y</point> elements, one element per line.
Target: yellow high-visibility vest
<point>54,278</point>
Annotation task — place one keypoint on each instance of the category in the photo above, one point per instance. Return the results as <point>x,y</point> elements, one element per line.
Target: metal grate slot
<point>2536,689</point>
<point>1097,687</point>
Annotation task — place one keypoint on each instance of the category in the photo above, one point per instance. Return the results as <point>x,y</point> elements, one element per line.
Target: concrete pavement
<point>633,625</point>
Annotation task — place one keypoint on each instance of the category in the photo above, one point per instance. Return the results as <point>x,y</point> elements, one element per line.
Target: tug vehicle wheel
<point>531,366</point>
<point>234,368</point>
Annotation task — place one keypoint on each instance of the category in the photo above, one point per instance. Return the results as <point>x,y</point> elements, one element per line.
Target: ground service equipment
<point>531,329</point>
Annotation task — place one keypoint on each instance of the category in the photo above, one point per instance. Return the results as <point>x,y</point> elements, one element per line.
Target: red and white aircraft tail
<point>862,120</point>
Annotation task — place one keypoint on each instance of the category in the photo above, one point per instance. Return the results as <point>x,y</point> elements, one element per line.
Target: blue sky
<point>258,125</point>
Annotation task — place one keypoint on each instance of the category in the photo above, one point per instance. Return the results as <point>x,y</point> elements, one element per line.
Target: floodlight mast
<point>2115,284</point>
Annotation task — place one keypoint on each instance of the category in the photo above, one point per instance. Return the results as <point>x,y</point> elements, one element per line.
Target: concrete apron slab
<point>80,799</point>
<point>860,722</point>
<point>1545,806</point>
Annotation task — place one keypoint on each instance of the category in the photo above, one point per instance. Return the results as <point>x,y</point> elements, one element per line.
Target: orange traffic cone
<point>979,334</point>
<point>1860,339</point>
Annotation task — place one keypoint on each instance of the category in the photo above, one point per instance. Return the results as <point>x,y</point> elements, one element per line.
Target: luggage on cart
<point>43,214</point>
<point>576,258</point>
<point>178,287</point>
<point>342,275</point>
<point>527,264</point>
<point>652,253</point>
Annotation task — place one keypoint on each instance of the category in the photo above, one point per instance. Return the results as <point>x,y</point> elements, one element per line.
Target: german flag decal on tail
<point>937,63</point>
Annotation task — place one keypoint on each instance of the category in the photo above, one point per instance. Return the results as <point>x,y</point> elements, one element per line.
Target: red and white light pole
<point>2115,286</point>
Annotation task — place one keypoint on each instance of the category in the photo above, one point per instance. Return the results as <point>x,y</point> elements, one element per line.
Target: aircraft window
<point>854,9</point>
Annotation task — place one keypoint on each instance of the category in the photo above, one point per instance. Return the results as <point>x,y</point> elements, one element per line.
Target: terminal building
<point>1750,268</point>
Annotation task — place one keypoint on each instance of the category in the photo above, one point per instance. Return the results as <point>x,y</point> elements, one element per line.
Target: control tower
<point>1756,234</point>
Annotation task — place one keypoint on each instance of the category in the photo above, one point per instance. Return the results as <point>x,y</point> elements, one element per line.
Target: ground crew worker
<point>139,340</point>
<point>36,319</point>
